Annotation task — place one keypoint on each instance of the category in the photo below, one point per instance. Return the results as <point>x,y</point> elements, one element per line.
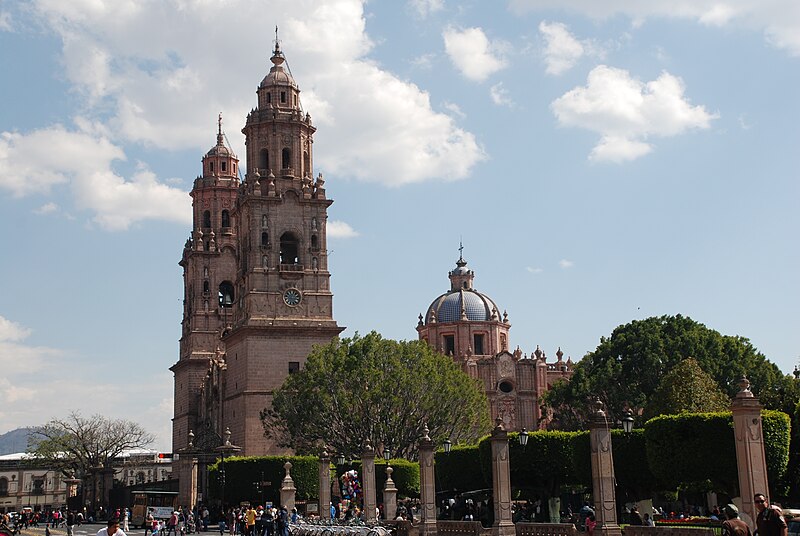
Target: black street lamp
<point>627,421</point>
<point>340,458</point>
<point>387,453</point>
<point>448,446</point>
<point>523,437</point>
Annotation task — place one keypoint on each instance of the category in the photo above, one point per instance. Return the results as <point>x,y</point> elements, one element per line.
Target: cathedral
<point>257,293</point>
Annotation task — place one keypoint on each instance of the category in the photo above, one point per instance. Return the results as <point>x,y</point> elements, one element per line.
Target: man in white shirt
<point>112,529</point>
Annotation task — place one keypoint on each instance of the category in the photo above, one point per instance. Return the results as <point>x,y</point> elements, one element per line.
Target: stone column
<point>603,481</point>
<point>324,485</point>
<point>427,485</point>
<point>389,495</point>
<point>749,439</point>
<point>287,488</point>
<point>368,482</point>
<point>501,482</point>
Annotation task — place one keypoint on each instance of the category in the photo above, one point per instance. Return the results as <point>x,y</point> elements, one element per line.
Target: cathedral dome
<point>449,306</point>
<point>278,75</point>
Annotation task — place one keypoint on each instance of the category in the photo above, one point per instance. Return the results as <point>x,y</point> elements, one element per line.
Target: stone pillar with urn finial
<point>368,482</point>
<point>501,482</point>
<point>186,467</point>
<point>389,495</point>
<point>603,481</point>
<point>287,488</point>
<point>325,485</point>
<point>427,485</point>
<point>750,458</point>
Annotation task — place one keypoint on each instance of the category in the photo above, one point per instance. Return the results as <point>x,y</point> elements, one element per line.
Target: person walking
<point>769,521</point>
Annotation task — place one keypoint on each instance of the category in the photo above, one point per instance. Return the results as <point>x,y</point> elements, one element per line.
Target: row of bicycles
<point>329,527</point>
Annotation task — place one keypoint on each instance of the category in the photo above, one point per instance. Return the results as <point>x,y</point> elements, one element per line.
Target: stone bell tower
<point>257,293</point>
<point>283,302</point>
<point>209,263</point>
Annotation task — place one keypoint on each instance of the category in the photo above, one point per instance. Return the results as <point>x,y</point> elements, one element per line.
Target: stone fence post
<point>287,488</point>
<point>368,483</point>
<point>603,481</point>
<point>750,459</point>
<point>501,482</point>
<point>427,485</point>
<point>324,485</point>
<point>389,495</point>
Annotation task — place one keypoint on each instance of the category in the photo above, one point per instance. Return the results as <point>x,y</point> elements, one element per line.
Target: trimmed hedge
<point>460,469</point>
<point>242,472</point>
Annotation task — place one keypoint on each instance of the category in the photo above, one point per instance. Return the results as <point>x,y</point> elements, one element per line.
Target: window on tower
<point>269,98</point>
<point>265,240</point>
<point>206,288</point>
<point>306,162</point>
<point>294,366</point>
<point>263,159</point>
<point>226,294</point>
<point>289,248</point>
<point>226,218</point>
<point>224,165</point>
<point>211,166</point>
<point>207,219</point>
<point>283,96</point>
<point>286,158</point>
<point>314,243</point>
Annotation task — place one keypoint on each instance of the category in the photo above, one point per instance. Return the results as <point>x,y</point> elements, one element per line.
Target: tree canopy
<point>373,388</point>
<point>687,388</point>
<point>627,368</point>
<point>77,444</point>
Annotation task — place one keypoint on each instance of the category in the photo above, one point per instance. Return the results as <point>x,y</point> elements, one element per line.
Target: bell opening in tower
<point>226,294</point>
<point>289,248</point>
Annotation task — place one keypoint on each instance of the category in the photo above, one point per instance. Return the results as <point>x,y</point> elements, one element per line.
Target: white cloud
<point>473,54</point>
<point>533,270</point>
<point>39,383</point>
<point>426,7</point>
<point>564,264</point>
<point>157,73</point>
<point>778,20</point>
<point>47,208</point>
<point>562,50</point>
<point>5,20</point>
<point>39,161</point>
<point>499,95</point>
<point>454,109</point>
<point>340,229</point>
<point>11,331</point>
<point>627,112</point>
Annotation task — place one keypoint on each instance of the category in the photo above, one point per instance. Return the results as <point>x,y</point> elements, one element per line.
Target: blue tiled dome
<point>447,307</point>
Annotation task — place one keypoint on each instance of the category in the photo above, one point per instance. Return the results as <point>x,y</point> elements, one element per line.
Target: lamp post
<point>448,446</point>
<point>523,437</point>
<point>226,448</point>
<point>627,421</point>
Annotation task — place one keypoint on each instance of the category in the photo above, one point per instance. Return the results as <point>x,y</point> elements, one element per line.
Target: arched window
<point>226,294</point>
<point>211,166</point>
<point>314,243</point>
<point>224,165</point>
<point>206,288</point>
<point>3,487</point>
<point>207,219</point>
<point>269,98</point>
<point>306,162</point>
<point>286,159</point>
<point>226,218</point>
<point>289,248</point>
<point>264,239</point>
<point>263,159</point>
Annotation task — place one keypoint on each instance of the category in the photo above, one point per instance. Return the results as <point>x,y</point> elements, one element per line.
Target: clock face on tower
<point>292,297</point>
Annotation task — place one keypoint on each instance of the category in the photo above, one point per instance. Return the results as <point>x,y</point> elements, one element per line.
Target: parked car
<point>794,525</point>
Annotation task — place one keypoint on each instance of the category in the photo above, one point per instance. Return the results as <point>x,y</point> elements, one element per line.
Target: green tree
<point>687,388</point>
<point>378,389</point>
<point>86,447</point>
<point>627,367</point>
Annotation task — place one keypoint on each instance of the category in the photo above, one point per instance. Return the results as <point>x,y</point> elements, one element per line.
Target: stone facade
<point>468,325</point>
<point>257,287</point>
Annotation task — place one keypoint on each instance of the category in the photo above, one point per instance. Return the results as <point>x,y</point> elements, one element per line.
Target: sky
<point>600,161</point>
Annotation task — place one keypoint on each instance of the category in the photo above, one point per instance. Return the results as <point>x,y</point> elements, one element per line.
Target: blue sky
<point>601,161</point>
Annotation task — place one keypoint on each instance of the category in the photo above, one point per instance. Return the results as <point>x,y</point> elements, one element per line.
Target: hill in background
<point>15,441</point>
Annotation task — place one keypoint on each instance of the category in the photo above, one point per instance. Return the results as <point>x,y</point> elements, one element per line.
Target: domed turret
<point>463,321</point>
